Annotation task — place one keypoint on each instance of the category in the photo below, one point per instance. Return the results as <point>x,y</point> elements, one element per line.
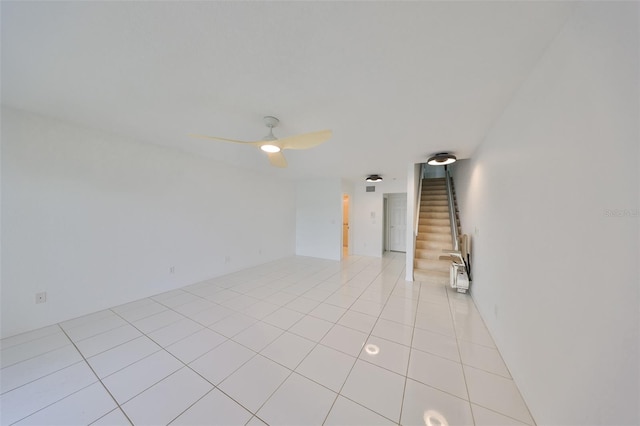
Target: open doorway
<point>345,225</point>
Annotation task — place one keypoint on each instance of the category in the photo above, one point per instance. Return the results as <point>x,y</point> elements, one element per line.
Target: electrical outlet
<point>227,259</point>
<point>172,269</point>
<point>41,297</point>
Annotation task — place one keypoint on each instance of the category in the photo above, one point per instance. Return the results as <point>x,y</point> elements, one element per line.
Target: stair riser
<point>433,254</point>
<point>435,229</point>
<point>434,222</point>
<point>434,215</point>
<point>434,209</point>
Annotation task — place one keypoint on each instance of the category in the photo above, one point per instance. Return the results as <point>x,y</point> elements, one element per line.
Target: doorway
<point>396,222</point>
<point>345,225</point>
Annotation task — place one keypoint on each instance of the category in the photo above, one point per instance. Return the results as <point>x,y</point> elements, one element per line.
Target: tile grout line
<point>319,288</point>
<point>301,361</point>
<point>162,348</point>
<point>99,380</point>
<point>188,366</point>
<point>503,362</point>
<point>43,376</point>
<point>406,376</point>
<point>57,400</point>
<point>495,374</point>
<point>34,357</point>
<point>317,343</point>
<point>464,374</point>
<point>58,325</point>
<point>339,393</point>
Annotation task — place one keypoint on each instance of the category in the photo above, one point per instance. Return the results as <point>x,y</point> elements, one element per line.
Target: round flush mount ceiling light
<point>270,148</point>
<point>374,178</point>
<point>441,159</point>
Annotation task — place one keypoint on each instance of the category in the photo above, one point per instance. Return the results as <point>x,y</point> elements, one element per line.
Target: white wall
<point>555,276</point>
<point>96,220</point>
<point>413,186</point>
<point>319,218</point>
<point>367,214</point>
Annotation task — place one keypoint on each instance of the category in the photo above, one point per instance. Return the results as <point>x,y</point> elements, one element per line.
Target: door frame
<point>386,227</point>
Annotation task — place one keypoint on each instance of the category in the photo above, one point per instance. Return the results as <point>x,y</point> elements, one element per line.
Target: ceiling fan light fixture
<point>274,146</point>
<point>441,159</point>
<point>374,178</point>
<point>270,148</point>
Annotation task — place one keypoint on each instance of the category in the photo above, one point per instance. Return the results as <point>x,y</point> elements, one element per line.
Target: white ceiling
<point>395,81</point>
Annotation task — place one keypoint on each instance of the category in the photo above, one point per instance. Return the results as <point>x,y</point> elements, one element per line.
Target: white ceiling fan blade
<point>215,138</point>
<point>277,159</point>
<point>305,141</point>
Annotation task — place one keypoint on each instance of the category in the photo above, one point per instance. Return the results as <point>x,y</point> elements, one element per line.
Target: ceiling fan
<point>274,146</point>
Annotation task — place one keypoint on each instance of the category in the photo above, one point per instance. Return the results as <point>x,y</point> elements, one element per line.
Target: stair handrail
<point>417,218</point>
<point>453,219</point>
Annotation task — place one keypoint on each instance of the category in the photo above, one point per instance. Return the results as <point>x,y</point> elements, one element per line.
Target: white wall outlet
<point>172,269</point>
<point>41,297</point>
<point>227,259</point>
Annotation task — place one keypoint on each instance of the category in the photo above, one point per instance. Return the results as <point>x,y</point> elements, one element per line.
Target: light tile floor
<point>300,341</point>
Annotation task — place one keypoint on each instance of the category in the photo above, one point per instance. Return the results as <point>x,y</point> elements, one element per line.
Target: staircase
<point>434,233</point>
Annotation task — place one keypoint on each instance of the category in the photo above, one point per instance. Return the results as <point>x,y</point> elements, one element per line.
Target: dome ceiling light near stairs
<point>441,159</point>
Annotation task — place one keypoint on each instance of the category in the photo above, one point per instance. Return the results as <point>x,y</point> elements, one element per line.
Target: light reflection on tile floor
<point>300,341</point>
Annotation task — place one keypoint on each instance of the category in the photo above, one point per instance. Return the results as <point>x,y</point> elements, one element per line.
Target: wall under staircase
<point>434,232</point>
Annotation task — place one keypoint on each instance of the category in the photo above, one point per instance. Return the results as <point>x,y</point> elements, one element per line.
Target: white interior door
<point>397,222</point>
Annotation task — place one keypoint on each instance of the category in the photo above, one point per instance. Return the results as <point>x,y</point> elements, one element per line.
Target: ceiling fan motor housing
<point>271,121</point>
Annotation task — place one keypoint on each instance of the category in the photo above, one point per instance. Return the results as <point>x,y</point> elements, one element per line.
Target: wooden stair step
<point>434,215</point>
<point>433,245</point>
<point>429,221</point>
<point>431,236</point>
<point>428,202</point>
<point>438,229</point>
<point>440,203</point>
<point>434,209</point>
<point>429,254</point>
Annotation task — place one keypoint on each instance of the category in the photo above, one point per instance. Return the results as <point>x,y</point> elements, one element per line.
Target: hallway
<point>297,341</point>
